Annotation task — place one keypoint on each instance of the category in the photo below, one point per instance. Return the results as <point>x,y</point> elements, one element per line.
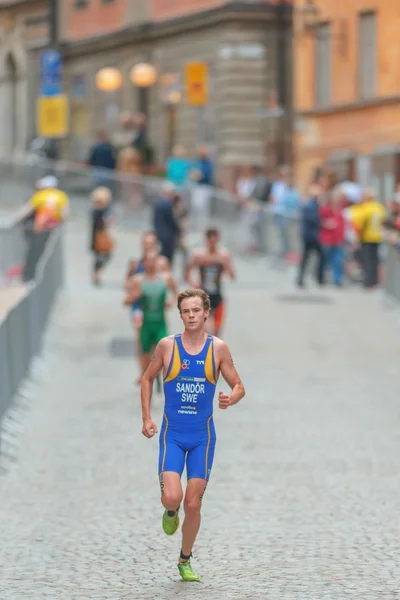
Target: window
<point>367,54</point>
<point>81,4</point>
<point>79,87</point>
<point>323,65</point>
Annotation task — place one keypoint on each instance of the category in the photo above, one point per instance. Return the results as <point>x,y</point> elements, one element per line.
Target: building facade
<point>241,43</point>
<point>347,92</point>
<point>23,32</point>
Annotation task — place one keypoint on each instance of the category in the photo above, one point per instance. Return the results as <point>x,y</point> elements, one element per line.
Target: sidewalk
<point>303,499</point>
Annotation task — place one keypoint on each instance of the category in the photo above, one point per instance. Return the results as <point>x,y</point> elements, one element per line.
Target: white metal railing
<point>23,327</point>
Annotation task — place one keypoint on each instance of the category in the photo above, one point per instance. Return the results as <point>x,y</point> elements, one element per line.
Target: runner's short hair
<point>101,195</point>
<point>194,293</point>
<point>212,231</point>
<point>149,232</point>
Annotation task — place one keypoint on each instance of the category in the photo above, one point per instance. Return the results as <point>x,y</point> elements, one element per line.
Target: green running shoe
<point>170,524</point>
<point>186,572</point>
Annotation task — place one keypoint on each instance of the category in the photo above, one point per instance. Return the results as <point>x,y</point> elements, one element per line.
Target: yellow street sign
<point>52,116</point>
<point>196,83</point>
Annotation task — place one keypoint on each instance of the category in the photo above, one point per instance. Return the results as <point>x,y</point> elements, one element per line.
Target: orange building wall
<point>168,9</point>
<point>100,18</point>
<point>363,128</point>
<point>96,19</point>
<point>345,65</point>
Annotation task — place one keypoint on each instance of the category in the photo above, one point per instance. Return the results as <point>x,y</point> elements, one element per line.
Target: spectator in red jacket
<point>332,236</point>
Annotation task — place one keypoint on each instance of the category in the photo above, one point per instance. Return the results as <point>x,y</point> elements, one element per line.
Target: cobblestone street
<point>303,501</point>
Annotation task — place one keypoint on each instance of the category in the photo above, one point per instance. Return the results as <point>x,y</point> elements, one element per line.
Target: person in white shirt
<point>279,190</point>
<point>245,187</point>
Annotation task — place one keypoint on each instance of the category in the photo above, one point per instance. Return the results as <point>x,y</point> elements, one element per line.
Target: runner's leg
<point>137,321</point>
<point>199,463</point>
<point>145,346</point>
<point>171,462</point>
<point>160,333</point>
<point>171,490</point>
<point>191,525</point>
<point>219,314</point>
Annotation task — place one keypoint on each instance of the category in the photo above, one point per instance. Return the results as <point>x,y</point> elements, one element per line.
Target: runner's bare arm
<point>133,291</point>
<point>163,264</point>
<point>146,392</point>
<point>171,284</point>
<point>191,264</point>
<point>230,375</point>
<point>131,271</point>
<point>228,266</point>
<point>25,211</point>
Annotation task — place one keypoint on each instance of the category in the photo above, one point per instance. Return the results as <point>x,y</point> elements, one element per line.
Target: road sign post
<point>197,92</point>
<point>52,116</point>
<point>52,104</point>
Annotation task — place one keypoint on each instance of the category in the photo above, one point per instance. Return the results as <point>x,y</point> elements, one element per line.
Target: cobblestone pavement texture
<point>303,502</point>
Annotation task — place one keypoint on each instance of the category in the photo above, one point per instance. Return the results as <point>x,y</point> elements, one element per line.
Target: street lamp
<point>143,75</point>
<point>310,16</point>
<point>108,79</point>
<point>174,97</point>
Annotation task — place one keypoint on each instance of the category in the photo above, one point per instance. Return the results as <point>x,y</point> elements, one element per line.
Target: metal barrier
<point>12,248</point>
<point>133,197</point>
<point>392,274</point>
<point>22,329</point>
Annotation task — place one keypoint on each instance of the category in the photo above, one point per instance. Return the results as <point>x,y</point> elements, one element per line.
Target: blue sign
<point>50,73</point>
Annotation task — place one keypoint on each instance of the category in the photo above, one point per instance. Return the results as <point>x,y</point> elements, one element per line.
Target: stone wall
<point>241,56</point>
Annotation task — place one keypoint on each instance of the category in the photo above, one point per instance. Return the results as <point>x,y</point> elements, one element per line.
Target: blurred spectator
<point>102,153</point>
<point>141,142</point>
<point>310,234</point>
<point>178,167</point>
<point>245,187</point>
<point>101,243</point>
<point>393,238</point>
<point>181,213</point>
<point>368,218</point>
<point>203,175</point>
<point>125,136</point>
<point>261,195</point>
<point>395,209</point>
<point>102,159</point>
<point>45,211</point>
<point>279,190</point>
<point>352,191</point>
<point>130,188</point>
<point>165,222</point>
<point>263,186</point>
<point>46,148</point>
<point>48,206</point>
<point>327,182</point>
<point>332,235</point>
<point>129,161</point>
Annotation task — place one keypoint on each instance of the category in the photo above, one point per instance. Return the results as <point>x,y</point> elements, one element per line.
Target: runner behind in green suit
<point>151,287</point>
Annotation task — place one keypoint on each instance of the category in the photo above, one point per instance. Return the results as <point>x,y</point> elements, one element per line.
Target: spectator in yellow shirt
<point>368,219</point>
<point>48,205</point>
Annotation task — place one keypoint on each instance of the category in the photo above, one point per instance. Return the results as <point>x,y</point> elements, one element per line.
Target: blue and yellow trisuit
<point>188,432</point>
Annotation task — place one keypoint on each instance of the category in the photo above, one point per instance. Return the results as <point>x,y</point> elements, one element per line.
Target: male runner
<point>149,244</point>
<point>151,287</point>
<point>212,262</point>
<point>136,267</point>
<point>191,363</point>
